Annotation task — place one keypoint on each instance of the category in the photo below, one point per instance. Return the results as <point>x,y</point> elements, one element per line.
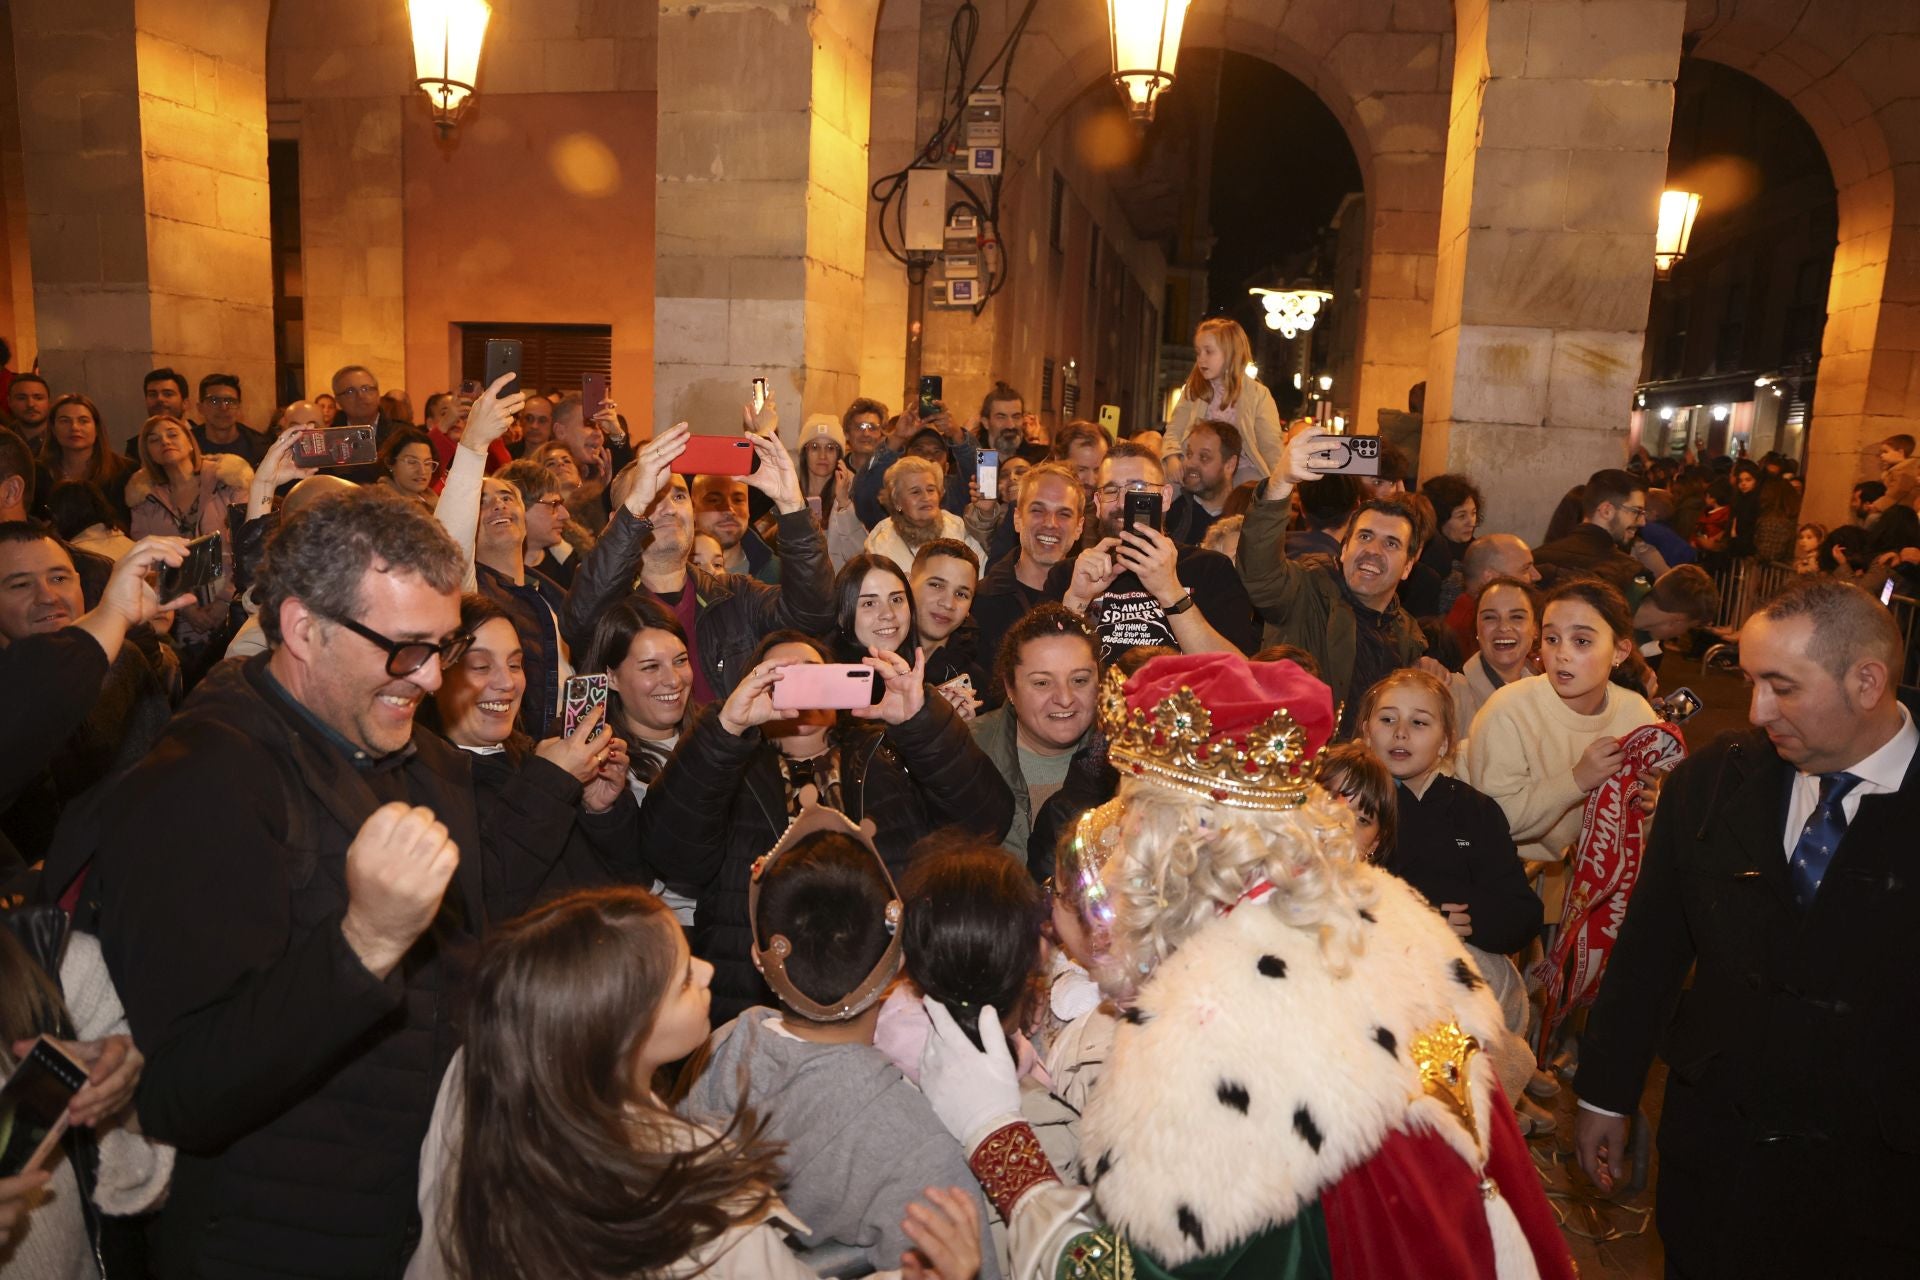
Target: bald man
<point>1498,555</point>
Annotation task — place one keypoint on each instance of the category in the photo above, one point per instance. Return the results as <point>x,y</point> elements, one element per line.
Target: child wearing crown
<point>1297,1088</point>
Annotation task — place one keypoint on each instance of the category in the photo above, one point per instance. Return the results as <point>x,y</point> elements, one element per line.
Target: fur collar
<point>1249,1077</point>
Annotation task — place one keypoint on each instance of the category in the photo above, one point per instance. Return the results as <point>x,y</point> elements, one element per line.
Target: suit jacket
<point>1791,1126</point>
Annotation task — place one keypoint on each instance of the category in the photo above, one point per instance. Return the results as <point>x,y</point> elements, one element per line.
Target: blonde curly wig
<point>1182,861</point>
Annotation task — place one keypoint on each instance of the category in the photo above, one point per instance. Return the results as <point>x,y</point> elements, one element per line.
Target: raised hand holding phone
<point>751,702</point>
<point>491,414</point>
<point>398,869</point>
<point>775,476</point>
<point>906,686</point>
<point>276,468</point>
<point>653,468</point>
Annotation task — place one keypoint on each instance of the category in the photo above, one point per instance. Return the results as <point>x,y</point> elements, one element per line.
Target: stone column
<point>760,237</point>
<point>143,128</point>
<point>1556,156</point>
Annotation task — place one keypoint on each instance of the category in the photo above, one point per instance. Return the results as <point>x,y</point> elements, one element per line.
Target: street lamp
<point>1291,311</point>
<point>447,35</point>
<point>1678,209</point>
<point>1145,38</point>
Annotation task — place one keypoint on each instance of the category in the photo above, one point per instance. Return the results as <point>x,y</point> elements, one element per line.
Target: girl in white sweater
<point>1542,743</point>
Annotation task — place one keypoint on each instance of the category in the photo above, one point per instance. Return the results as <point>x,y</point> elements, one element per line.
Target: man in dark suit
<point>1782,872</point>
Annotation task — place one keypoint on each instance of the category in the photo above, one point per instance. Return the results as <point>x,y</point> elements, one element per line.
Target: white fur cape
<point>1249,1077</point>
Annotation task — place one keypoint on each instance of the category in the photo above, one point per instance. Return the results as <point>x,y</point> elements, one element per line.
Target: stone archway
<point>1383,68</point>
<point>1849,88</point>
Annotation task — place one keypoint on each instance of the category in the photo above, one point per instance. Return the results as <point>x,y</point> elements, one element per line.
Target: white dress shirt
<point>1880,774</point>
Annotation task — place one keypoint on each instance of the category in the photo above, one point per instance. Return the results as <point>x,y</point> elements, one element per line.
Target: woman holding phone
<point>725,796</point>
<point>564,799</point>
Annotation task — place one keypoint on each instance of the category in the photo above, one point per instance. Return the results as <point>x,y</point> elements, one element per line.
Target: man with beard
<point>1206,478</point>
<point>1048,514</point>
<point>1613,507</point>
<point>1139,587</point>
<point>913,486</point>
<point>1344,612</point>
<point>720,510</point>
<point>28,405</point>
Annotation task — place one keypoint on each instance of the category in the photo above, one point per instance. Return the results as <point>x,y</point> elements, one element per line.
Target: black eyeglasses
<point>404,657</point>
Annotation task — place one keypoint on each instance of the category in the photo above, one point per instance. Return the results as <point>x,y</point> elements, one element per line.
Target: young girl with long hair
<point>1220,390</point>
<point>553,1150</point>
<point>1541,744</point>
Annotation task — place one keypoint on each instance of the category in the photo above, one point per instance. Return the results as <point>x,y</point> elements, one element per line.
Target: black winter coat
<point>721,803</point>
<point>296,1085</point>
<point>516,791</point>
<point>1454,845</point>
<point>733,610</point>
<point>1790,1128</point>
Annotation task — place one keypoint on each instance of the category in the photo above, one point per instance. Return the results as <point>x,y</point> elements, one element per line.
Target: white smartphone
<point>987,474</point>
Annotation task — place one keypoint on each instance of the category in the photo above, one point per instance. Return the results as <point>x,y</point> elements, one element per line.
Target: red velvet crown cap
<point>1238,694</point>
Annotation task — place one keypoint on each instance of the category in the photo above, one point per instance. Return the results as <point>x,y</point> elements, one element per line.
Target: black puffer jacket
<point>722,803</point>
<point>732,610</point>
<point>296,1085</point>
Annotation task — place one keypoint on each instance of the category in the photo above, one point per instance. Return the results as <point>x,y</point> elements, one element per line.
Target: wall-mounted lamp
<point>1678,209</point>
<point>447,36</point>
<point>1145,37</point>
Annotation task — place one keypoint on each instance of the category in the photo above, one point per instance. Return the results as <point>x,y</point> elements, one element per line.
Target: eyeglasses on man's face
<point>404,657</point>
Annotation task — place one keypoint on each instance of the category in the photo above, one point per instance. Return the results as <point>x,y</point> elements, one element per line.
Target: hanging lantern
<point>1678,209</point>
<point>447,36</point>
<point>1146,43</point>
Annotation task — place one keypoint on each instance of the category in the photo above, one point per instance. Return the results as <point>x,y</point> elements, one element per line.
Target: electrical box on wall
<point>983,160</point>
<point>987,118</point>
<point>926,211</point>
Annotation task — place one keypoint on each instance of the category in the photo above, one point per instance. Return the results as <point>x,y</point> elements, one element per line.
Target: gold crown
<point>1264,768</point>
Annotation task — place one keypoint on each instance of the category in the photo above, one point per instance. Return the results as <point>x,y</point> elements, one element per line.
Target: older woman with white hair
<point>913,487</point>
<point>1296,1087</point>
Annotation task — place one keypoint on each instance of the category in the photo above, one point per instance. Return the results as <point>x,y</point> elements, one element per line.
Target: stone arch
<point>1383,68</point>
<point>1849,88</point>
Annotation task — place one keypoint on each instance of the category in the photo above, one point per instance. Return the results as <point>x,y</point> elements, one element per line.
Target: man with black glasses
<point>220,429</point>
<point>290,887</point>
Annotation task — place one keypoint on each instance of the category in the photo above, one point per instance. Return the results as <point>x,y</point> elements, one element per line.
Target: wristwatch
<point>1181,605</point>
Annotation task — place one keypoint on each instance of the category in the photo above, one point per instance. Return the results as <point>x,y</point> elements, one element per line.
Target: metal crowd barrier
<point>1746,584</point>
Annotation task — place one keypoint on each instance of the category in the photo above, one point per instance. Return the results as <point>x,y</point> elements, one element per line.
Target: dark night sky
<point>1281,164</point>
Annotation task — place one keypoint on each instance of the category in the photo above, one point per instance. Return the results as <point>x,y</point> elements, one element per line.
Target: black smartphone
<point>196,574</point>
<point>1679,706</point>
<point>1143,507</point>
<point>931,393</point>
<point>33,1106</point>
<point>503,356</point>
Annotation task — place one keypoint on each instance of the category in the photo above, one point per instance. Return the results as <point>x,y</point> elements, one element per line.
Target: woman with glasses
<point>554,542</point>
<point>408,468</point>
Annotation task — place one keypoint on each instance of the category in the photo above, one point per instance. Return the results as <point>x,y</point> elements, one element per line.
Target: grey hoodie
<point>861,1142</point>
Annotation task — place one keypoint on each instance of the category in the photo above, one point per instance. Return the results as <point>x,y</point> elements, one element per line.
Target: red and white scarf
<point>1613,837</point>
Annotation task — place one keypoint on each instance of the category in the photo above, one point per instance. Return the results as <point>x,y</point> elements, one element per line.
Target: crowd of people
<point>996,847</point>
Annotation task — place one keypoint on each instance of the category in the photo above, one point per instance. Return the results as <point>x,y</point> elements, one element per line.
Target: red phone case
<point>717,456</point>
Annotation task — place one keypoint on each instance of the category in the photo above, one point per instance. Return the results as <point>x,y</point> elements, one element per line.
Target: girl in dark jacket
<point>565,798</point>
<point>735,781</point>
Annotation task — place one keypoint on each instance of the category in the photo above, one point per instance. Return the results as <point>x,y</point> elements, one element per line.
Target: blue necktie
<point>1820,838</point>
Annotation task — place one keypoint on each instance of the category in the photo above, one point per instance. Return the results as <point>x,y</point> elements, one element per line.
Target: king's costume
<point>1296,1088</point>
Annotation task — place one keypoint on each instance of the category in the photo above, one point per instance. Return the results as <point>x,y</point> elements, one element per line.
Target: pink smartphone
<point>809,686</point>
